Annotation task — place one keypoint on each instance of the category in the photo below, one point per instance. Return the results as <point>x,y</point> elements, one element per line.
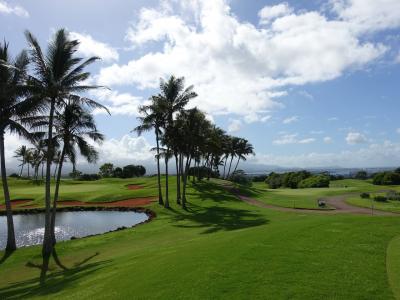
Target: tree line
<point>108,170</point>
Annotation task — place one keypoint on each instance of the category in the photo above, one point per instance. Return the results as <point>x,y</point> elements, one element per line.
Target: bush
<point>14,175</point>
<point>274,181</point>
<point>240,177</point>
<point>89,177</point>
<point>362,175</point>
<point>318,181</point>
<point>386,178</point>
<point>393,195</point>
<point>365,195</point>
<point>380,199</point>
<point>260,178</point>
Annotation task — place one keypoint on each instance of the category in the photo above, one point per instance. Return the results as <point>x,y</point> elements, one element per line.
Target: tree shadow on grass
<point>217,218</point>
<point>55,282</point>
<point>6,255</point>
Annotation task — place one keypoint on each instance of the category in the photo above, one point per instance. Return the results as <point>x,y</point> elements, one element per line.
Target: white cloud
<point>234,125</point>
<point>269,13</point>
<point>364,15</point>
<point>117,103</point>
<point>90,47</point>
<point>397,59</point>
<point>290,120</point>
<point>17,10</point>
<point>333,119</point>
<point>287,139</point>
<point>354,138</point>
<point>398,130</point>
<point>375,155</point>
<point>127,149</point>
<point>237,67</point>
<point>328,140</point>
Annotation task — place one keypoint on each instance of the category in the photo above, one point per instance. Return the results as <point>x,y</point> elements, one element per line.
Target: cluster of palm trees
<point>40,99</point>
<point>188,137</point>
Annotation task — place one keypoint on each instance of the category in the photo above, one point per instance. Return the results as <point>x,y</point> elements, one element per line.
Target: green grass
<point>393,265</point>
<point>390,205</point>
<point>308,198</point>
<point>104,190</point>
<point>221,248</point>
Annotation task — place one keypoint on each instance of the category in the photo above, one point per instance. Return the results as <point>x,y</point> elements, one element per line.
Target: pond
<point>29,228</point>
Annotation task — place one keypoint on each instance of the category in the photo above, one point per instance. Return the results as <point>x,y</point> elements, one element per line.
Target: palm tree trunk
<point>22,168</point>
<point>236,165</point>
<point>160,199</point>
<point>230,164</point>
<point>56,193</point>
<point>11,245</point>
<point>226,158</point>
<point>47,240</point>
<point>55,170</point>
<point>28,170</point>
<point>166,204</point>
<point>178,184</point>
<point>42,170</point>
<point>188,161</point>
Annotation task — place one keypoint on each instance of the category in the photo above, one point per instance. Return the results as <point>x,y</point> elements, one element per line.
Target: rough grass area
<point>221,248</point>
<point>393,265</point>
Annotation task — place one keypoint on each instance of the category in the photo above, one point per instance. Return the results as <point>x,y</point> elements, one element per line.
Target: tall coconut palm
<point>13,107</point>
<point>153,119</point>
<point>57,75</point>
<point>20,153</point>
<point>73,125</point>
<point>244,148</point>
<point>174,97</point>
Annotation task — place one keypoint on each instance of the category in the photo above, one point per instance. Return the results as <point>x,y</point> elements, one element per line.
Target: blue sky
<point>309,83</point>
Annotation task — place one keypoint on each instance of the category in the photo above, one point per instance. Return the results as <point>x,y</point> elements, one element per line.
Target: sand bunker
<point>137,202</point>
<point>16,203</point>
<point>134,187</point>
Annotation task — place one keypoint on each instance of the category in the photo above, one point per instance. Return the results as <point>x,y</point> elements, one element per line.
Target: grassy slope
<point>221,248</point>
<point>307,198</point>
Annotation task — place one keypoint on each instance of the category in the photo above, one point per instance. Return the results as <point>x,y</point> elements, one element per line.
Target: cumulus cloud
<point>237,67</point>
<point>364,15</point>
<point>268,13</point>
<point>375,155</point>
<point>234,125</point>
<point>17,10</point>
<point>117,103</point>
<point>90,47</point>
<point>328,140</point>
<point>354,138</point>
<point>290,120</point>
<point>287,139</point>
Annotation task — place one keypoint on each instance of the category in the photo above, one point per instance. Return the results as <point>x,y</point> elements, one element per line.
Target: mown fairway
<point>220,248</point>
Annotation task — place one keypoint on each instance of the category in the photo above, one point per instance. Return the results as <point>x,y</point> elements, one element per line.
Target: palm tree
<point>233,148</point>
<point>244,148</point>
<point>153,118</point>
<point>21,154</point>
<point>174,97</point>
<point>12,109</point>
<point>58,74</point>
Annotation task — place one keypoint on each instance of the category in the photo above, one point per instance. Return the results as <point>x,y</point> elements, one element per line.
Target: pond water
<point>29,229</point>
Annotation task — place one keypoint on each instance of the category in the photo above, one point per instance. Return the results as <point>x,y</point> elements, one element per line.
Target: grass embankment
<point>308,198</point>
<point>220,248</point>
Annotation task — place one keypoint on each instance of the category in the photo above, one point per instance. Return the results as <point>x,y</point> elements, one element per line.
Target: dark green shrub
<point>386,178</point>
<point>14,175</point>
<point>362,175</point>
<point>260,178</point>
<point>318,181</point>
<point>274,181</point>
<point>365,195</point>
<point>89,177</point>
<point>380,199</point>
<point>240,177</point>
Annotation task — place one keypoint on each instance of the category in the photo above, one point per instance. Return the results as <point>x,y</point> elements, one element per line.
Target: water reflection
<point>29,229</point>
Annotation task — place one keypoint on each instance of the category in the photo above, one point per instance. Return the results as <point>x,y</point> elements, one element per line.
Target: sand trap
<point>134,187</point>
<point>137,202</point>
<point>15,203</point>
